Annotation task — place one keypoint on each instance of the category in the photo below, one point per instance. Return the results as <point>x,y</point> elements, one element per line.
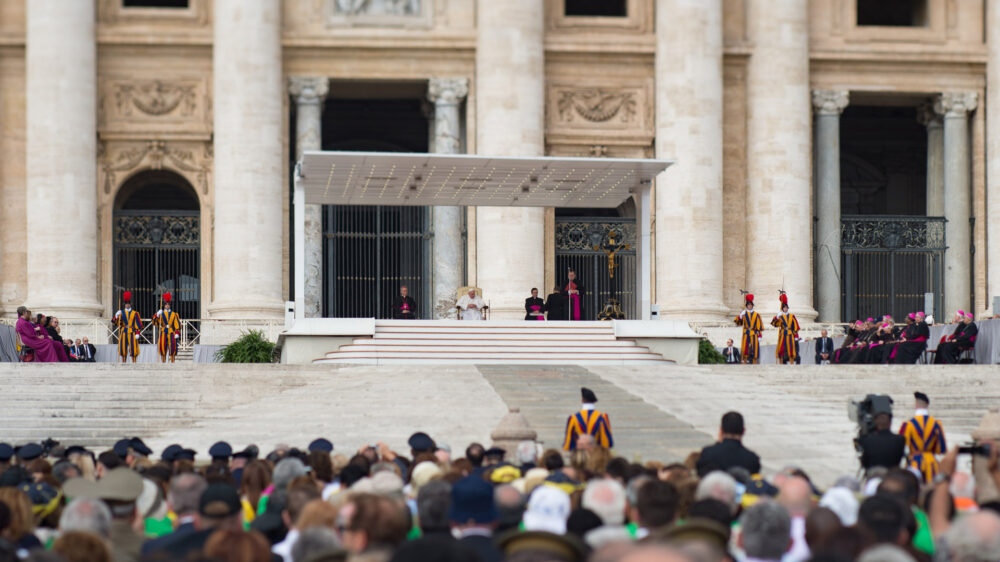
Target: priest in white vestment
<point>471,306</point>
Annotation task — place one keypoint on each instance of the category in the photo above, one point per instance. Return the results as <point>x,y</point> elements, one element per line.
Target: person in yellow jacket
<point>589,420</point>
<point>752,325</point>
<point>169,323</point>
<point>924,438</point>
<point>788,334</point>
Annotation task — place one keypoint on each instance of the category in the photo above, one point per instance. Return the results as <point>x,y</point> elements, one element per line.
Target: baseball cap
<point>119,484</point>
<point>219,500</point>
<point>548,509</point>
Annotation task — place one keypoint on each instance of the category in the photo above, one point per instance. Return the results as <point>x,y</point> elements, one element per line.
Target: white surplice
<point>468,313</point>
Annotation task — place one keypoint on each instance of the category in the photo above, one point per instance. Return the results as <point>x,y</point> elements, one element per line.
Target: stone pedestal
<point>309,93</point>
<point>689,130</point>
<point>779,174</point>
<point>248,96</point>
<point>61,62</point>
<point>988,430</point>
<point>935,159</point>
<point>449,273</point>
<point>510,249</point>
<point>992,28</point>
<point>955,107</point>
<point>828,105</point>
<point>512,429</point>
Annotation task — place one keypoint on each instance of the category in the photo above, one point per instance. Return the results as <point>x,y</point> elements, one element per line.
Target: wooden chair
<point>462,291</point>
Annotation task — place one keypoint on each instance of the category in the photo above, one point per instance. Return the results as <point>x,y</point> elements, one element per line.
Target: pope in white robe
<point>471,306</point>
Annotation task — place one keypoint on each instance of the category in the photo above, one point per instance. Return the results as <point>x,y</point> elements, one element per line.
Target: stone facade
<point>93,95</point>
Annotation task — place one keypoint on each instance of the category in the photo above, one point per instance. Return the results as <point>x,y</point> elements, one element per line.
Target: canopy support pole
<point>299,204</point>
<point>643,285</point>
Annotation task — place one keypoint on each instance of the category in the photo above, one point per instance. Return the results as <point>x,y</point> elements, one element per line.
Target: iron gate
<point>575,241</point>
<point>368,253</point>
<point>889,262</point>
<point>157,251</point>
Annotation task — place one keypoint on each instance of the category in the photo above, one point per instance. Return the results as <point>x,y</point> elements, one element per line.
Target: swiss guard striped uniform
<point>170,328</point>
<point>129,325</point>
<point>788,330</point>
<point>925,438</point>
<point>588,420</point>
<point>752,327</point>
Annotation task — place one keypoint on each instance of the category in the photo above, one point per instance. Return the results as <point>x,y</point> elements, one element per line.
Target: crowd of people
<point>375,504</point>
<point>41,340</point>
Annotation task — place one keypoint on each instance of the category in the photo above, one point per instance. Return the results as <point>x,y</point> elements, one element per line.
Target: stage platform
<point>367,341</point>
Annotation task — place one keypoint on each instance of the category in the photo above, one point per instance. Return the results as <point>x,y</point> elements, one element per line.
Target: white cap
<point>548,510</point>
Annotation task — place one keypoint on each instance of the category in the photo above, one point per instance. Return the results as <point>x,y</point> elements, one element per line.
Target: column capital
<point>308,89</point>
<point>447,90</point>
<point>830,102</point>
<point>955,104</point>
<point>927,117</point>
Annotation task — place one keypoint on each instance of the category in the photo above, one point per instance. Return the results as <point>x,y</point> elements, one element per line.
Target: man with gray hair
<point>89,515</point>
<point>316,542</point>
<point>183,498</point>
<point>718,485</point>
<point>433,503</point>
<point>972,538</point>
<point>606,497</point>
<point>286,470</point>
<point>766,532</point>
<point>527,455</point>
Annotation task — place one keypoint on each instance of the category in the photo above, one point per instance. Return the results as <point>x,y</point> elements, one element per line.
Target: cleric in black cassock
<point>404,307</point>
<point>534,307</point>
<point>555,305</point>
<point>572,291</point>
<point>909,350</point>
<point>964,337</point>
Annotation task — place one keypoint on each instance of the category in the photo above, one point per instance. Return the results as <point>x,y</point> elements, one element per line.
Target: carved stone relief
<point>377,7</point>
<point>597,105</point>
<point>191,159</point>
<point>380,13</point>
<point>582,113</point>
<point>155,98</point>
<point>140,106</point>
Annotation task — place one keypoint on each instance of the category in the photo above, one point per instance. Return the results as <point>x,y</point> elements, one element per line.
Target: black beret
<point>220,450</point>
<point>29,452</point>
<point>588,395</point>
<point>420,441</point>
<point>321,444</point>
<point>922,397</point>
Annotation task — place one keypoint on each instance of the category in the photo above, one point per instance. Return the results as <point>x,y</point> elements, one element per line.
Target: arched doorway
<point>156,233</point>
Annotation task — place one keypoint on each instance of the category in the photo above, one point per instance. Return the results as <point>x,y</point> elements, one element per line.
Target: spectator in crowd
<point>882,447</point>
<point>765,532</point>
<point>183,498</point>
<point>79,546</point>
<point>729,451</point>
<point>299,495</point>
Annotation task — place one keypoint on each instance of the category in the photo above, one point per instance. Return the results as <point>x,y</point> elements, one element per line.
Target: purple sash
<point>536,308</point>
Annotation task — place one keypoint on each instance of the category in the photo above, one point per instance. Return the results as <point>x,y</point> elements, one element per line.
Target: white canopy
<point>392,178</point>
<point>378,178</point>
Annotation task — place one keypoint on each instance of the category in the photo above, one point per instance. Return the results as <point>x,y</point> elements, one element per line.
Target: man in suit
<point>731,353</point>
<point>183,498</point>
<point>824,348</point>
<point>88,353</point>
<point>882,447</point>
<point>729,451</point>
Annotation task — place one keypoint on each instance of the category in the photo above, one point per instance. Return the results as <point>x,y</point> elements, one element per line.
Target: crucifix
<point>612,244</point>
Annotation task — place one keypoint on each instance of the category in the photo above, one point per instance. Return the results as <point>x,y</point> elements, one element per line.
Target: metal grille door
<point>158,252</point>
<point>575,241</point>
<point>889,262</point>
<point>368,253</point>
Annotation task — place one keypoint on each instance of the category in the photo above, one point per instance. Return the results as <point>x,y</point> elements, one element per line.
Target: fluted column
<point>779,162</point>
<point>935,159</point>
<point>61,62</point>
<point>993,150</point>
<point>689,223</point>
<point>447,94</point>
<point>309,93</point>
<point>955,108</point>
<point>510,121</point>
<point>827,107</point>
<point>248,96</point>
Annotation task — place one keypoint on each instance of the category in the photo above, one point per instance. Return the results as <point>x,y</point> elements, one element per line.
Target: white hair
<point>718,485</point>
<point>885,553</point>
<point>90,515</point>
<point>527,452</point>
<point>973,538</point>
<point>606,498</point>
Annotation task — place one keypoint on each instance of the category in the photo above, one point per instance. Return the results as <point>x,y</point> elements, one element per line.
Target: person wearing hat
<point>544,532</point>
<point>6,453</point>
<point>29,452</point>
<point>752,325</point>
<point>169,323</point>
<point>129,326</point>
<point>964,337</point>
<point>218,508</point>
<point>240,460</point>
<point>474,515</point>
<point>787,351</point>
<point>220,453</point>
<point>913,344</point>
<point>119,489</point>
<point>590,421</point>
<point>924,438</point>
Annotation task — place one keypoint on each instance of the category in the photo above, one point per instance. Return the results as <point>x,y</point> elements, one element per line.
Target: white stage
<point>384,342</point>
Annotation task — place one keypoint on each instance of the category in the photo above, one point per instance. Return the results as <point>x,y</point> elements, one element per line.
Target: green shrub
<point>252,347</point>
<point>707,354</point>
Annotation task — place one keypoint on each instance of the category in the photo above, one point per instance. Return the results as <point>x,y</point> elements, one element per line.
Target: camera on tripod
<point>863,413</point>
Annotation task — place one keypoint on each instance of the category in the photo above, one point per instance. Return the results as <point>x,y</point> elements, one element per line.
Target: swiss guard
<point>752,328</point>
<point>788,334</point>
<point>588,420</point>
<point>169,323</point>
<point>129,325</point>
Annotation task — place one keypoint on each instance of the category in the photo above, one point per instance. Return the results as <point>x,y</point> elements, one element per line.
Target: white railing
<point>195,331</point>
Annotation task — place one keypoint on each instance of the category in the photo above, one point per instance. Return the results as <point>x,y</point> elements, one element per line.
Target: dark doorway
<point>892,13</point>
<point>600,8</point>
<point>155,3</point>
<point>156,230</point>
<point>370,251</point>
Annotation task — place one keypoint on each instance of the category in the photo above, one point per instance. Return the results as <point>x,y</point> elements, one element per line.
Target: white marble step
<point>482,335</point>
<point>503,341</point>
<point>489,354</point>
<point>489,361</point>
<point>493,348</point>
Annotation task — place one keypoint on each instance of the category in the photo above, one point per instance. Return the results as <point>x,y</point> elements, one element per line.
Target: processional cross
<point>612,244</point>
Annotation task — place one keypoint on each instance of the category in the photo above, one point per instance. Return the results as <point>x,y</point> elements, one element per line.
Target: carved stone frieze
<point>155,98</point>
<point>575,111</point>
<point>377,7</point>
<point>141,106</point>
<point>380,13</point>
<point>191,159</point>
<point>597,105</point>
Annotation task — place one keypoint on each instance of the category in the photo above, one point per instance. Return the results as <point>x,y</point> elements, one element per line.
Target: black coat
<point>882,448</point>
<point>533,301</point>
<point>735,354</point>
<point>555,305</point>
<point>397,308</point>
<point>824,345</point>
<point>726,454</point>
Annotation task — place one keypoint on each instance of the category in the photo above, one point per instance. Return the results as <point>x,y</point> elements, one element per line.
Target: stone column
<point>827,106</point>
<point>935,159</point>
<point>689,223</point>
<point>309,93</point>
<point>248,94</point>
<point>510,121</point>
<point>61,92</point>
<point>993,151</point>
<point>779,163</point>
<point>955,107</point>
<point>447,95</point>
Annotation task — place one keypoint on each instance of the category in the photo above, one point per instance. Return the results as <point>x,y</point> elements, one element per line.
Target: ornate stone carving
<point>308,89</point>
<point>155,98</point>
<point>956,104</point>
<point>447,90</point>
<point>927,117</point>
<point>377,7</point>
<point>193,161</point>
<point>830,102</point>
<point>597,105</point>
